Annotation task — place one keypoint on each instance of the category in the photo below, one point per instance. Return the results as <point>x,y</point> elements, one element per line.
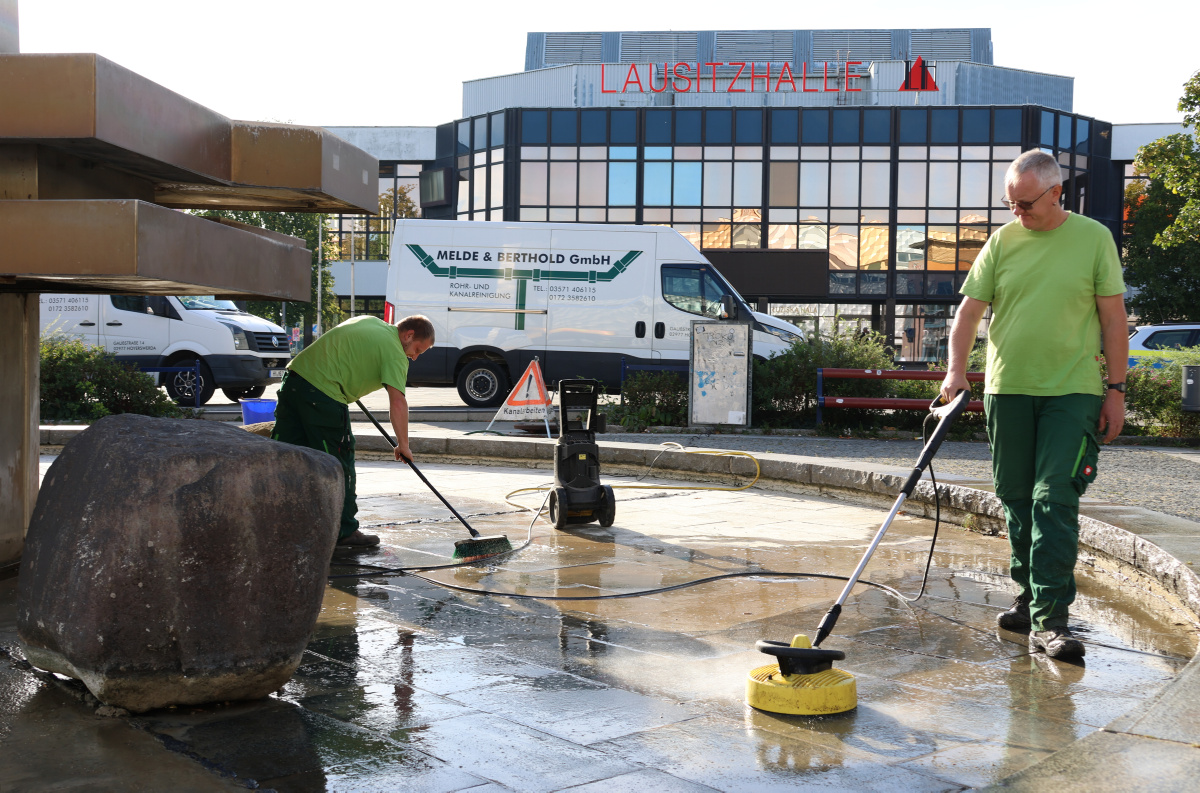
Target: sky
<point>396,63</point>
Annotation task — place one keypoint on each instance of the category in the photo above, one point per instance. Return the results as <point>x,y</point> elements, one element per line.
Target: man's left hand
<point>1112,415</point>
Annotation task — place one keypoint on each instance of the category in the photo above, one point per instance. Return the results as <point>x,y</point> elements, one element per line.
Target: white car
<point>237,352</point>
<point>1167,336</point>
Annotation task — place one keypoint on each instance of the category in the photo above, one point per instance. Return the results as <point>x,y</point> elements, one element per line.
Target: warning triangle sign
<point>528,399</point>
<point>918,78</point>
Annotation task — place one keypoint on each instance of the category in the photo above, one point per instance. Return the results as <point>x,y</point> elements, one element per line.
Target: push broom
<point>471,550</point>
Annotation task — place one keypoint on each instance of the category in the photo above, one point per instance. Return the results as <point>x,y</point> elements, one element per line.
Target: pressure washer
<point>577,496</point>
<point>803,680</point>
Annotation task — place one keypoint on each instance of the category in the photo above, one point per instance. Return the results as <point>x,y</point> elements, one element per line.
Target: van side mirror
<point>729,307</point>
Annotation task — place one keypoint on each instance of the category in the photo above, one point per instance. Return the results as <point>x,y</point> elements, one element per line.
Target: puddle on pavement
<point>411,685</point>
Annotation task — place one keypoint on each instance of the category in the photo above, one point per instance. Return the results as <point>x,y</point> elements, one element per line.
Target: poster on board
<point>721,362</point>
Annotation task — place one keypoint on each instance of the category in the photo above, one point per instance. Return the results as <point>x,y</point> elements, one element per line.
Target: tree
<point>394,203</point>
<point>1175,162</point>
<point>305,226</point>
<point>1167,279</point>
<point>398,203</point>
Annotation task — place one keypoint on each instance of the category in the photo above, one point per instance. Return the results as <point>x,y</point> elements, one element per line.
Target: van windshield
<point>207,302</point>
<point>696,290</point>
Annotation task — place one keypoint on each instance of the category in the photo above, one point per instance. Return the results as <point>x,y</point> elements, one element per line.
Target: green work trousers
<point>307,417</point>
<point>1044,454</point>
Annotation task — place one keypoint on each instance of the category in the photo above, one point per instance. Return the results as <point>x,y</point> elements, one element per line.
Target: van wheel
<point>234,394</point>
<point>482,384</point>
<point>184,388</point>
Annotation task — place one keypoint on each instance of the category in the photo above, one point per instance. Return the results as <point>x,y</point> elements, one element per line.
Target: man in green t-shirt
<point>359,356</point>
<point>1054,282</point>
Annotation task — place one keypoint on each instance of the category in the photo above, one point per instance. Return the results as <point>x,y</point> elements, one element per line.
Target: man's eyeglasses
<point>1025,205</point>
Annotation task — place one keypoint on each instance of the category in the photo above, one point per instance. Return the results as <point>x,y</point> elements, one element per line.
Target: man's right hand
<point>404,453</point>
<point>954,383</point>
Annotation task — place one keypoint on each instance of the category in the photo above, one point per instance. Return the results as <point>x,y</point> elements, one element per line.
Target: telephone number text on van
<point>574,298</point>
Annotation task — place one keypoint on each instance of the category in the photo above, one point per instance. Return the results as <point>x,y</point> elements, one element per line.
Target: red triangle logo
<point>919,78</point>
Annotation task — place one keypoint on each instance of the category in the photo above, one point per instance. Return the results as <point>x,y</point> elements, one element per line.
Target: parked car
<point>237,352</point>
<point>1167,336</point>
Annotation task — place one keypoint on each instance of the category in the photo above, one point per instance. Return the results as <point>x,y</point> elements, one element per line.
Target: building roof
<point>777,46</point>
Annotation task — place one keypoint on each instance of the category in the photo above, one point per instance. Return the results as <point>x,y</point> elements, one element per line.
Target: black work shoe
<point>358,540</point>
<point>1057,643</point>
<point>1017,616</point>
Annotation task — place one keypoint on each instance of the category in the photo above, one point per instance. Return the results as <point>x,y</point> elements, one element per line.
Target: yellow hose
<point>757,474</point>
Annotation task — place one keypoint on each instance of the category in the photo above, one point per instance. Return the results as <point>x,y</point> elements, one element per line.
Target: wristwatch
<point>1117,387</point>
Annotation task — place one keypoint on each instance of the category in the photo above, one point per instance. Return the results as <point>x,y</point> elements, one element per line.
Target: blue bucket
<point>255,411</point>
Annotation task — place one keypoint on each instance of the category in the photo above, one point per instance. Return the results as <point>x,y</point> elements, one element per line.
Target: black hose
<point>402,571</point>
<point>377,571</point>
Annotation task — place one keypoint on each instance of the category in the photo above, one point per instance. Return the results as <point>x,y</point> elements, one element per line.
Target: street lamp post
<point>320,267</point>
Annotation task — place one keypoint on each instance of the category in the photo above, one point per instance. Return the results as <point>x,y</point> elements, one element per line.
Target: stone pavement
<point>408,685</point>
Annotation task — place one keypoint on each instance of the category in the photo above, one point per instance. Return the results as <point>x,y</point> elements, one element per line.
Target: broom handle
<point>416,470</point>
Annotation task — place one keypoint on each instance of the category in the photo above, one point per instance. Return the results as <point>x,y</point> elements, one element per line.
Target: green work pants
<point>1044,454</point>
<point>307,417</point>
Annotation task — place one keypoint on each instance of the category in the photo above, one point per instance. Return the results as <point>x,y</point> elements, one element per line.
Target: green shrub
<point>1154,394</point>
<point>83,383</point>
<point>651,399</point>
<point>785,387</point>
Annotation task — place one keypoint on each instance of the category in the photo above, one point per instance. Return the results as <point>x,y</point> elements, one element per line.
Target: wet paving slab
<point>410,685</point>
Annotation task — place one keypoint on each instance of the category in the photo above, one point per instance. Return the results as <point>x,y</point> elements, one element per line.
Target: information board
<point>719,388</point>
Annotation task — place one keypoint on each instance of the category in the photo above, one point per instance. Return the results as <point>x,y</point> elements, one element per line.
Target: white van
<point>238,352</point>
<point>580,297</point>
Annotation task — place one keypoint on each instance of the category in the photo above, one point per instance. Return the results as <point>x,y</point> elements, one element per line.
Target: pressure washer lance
<point>474,549</point>
<point>804,681</point>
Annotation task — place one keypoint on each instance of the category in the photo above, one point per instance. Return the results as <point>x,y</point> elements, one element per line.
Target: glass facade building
<point>881,211</point>
<point>819,205</point>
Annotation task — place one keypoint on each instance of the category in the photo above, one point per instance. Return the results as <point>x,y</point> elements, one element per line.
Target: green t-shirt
<point>1044,338</point>
<point>357,357</point>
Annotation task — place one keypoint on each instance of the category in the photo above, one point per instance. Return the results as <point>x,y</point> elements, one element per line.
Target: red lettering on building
<point>687,67</point>
<point>666,74</point>
<point>787,69</point>
<point>804,79</point>
<point>633,77</point>
<point>766,78</point>
<point>848,75</point>
<point>604,90</point>
<point>730,88</point>
<point>679,78</point>
<point>714,74</point>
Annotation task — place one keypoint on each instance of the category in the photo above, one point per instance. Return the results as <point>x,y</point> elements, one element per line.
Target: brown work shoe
<point>1017,616</point>
<point>358,540</point>
<point>1057,643</point>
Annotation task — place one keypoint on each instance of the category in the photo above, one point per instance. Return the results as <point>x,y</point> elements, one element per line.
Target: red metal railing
<point>884,403</point>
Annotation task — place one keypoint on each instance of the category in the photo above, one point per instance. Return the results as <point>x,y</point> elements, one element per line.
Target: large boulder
<point>177,562</point>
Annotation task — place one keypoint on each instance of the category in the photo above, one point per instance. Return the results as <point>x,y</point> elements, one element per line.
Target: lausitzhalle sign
<point>685,76</point>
